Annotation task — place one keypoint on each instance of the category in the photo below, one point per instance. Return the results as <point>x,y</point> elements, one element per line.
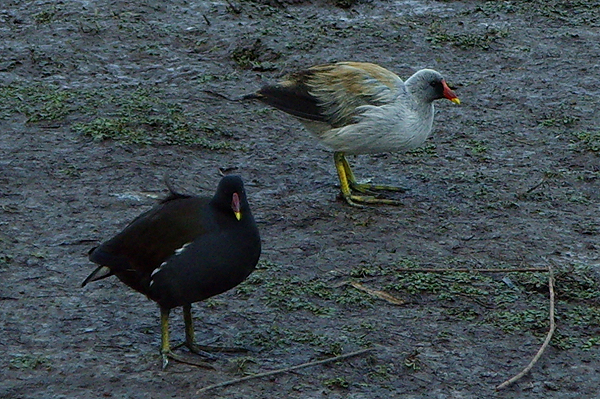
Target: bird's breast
<point>381,129</point>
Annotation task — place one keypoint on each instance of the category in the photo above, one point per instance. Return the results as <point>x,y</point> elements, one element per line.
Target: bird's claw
<point>170,355</point>
<point>358,201</point>
<point>372,188</point>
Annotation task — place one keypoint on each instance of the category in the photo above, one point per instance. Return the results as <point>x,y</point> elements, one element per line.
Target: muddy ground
<point>102,98</point>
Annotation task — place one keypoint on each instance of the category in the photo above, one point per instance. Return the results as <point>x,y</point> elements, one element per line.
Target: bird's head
<point>231,196</point>
<point>429,85</point>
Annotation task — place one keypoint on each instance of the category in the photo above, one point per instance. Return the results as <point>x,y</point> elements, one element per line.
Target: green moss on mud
<point>131,115</point>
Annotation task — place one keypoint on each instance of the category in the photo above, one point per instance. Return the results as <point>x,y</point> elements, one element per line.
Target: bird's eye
<point>434,84</point>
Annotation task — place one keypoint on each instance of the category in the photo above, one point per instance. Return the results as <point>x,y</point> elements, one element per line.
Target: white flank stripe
<point>180,250</point>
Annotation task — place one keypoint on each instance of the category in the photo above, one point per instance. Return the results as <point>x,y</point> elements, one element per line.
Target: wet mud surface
<point>102,99</point>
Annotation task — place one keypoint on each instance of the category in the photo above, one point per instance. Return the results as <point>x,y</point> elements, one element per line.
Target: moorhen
<point>184,250</point>
<point>360,108</point>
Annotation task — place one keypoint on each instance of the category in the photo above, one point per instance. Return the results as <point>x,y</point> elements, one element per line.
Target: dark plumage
<point>184,250</point>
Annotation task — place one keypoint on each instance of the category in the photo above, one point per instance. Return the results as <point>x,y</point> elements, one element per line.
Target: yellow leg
<point>348,182</point>
<point>190,338</point>
<point>348,170</point>
<point>339,159</point>
<point>165,346</point>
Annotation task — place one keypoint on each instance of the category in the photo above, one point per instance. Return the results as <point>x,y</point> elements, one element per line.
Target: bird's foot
<point>205,350</point>
<point>360,201</point>
<point>370,188</point>
<point>181,359</point>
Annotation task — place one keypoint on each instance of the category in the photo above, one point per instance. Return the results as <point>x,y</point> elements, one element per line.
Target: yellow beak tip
<point>238,215</point>
<point>455,100</point>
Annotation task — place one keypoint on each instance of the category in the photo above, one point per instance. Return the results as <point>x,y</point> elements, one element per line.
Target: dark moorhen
<point>360,108</point>
<point>184,250</point>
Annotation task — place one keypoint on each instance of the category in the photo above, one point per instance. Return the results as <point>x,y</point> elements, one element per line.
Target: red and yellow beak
<point>449,94</point>
<point>235,206</point>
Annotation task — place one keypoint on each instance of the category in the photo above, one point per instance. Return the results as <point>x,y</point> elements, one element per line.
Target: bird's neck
<point>414,87</point>
<point>418,106</point>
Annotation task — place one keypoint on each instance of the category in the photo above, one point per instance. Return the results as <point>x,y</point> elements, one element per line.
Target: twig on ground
<point>546,341</point>
<point>467,270</point>
<point>284,370</point>
<point>535,187</point>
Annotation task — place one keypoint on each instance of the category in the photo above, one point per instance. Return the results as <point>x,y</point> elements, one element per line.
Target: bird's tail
<point>98,274</point>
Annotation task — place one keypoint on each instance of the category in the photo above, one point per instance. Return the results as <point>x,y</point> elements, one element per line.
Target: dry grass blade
<point>379,294</point>
<point>467,270</point>
<point>546,341</point>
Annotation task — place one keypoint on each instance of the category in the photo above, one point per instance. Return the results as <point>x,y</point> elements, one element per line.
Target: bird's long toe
<point>370,188</point>
<point>360,201</point>
<point>208,350</point>
<point>182,359</point>
<point>204,351</point>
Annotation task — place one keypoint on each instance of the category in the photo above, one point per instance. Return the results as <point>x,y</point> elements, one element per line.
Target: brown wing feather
<point>342,87</point>
<point>330,93</point>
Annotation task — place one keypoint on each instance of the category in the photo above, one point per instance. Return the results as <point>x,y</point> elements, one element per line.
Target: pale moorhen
<point>184,250</point>
<point>360,108</point>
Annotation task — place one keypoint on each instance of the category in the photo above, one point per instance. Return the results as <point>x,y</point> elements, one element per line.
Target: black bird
<point>184,250</point>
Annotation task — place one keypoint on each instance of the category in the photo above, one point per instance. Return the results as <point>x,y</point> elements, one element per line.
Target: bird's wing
<point>173,223</point>
<point>210,265</point>
<point>331,93</point>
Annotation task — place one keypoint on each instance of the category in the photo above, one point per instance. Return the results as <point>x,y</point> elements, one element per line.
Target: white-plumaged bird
<point>360,108</point>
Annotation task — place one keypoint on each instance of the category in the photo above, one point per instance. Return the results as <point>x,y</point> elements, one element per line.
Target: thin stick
<point>536,186</point>
<point>546,341</point>
<point>284,370</point>
<point>467,270</point>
